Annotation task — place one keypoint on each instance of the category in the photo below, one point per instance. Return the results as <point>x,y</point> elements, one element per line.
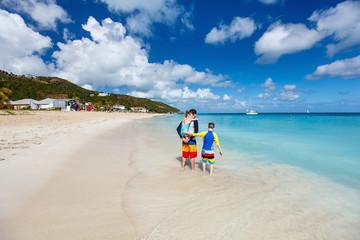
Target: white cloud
<point>67,35</point>
<point>240,90</point>
<point>227,97</point>
<point>346,69</point>
<point>140,23</point>
<point>151,6</point>
<point>268,2</point>
<point>87,86</point>
<point>144,13</point>
<point>116,90</point>
<point>179,95</point>
<point>112,58</point>
<point>186,19</point>
<point>240,104</point>
<point>46,13</point>
<point>289,93</point>
<point>269,85</point>
<point>264,96</point>
<point>238,29</point>
<point>21,47</point>
<point>342,22</point>
<point>281,39</point>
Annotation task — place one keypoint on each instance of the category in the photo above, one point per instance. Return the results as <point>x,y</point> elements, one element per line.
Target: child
<point>207,153</point>
<point>185,124</point>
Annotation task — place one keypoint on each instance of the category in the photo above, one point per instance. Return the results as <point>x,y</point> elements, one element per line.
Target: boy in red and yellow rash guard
<point>207,153</point>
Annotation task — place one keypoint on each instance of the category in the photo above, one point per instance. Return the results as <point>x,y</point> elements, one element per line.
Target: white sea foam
<point>264,202</point>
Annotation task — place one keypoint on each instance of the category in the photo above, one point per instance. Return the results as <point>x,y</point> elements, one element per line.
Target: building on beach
<point>139,109</point>
<point>119,107</point>
<point>64,104</point>
<point>47,103</point>
<point>22,103</point>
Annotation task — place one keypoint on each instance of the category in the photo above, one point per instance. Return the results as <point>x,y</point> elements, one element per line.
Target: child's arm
<point>216,140</point>
<point>220,150</point>
<point>201,134</point>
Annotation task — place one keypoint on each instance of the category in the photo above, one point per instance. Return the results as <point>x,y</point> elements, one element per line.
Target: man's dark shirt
<point>196,130</point>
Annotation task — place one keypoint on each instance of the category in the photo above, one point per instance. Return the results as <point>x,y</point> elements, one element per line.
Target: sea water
<point>326,143</point>
<point>281,176</point>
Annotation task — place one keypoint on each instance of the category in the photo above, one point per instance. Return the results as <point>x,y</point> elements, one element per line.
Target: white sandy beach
<point>108,176</point>
<point>60,179</point>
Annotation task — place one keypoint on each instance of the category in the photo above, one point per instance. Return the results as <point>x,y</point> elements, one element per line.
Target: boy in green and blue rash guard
<point>207,153</point>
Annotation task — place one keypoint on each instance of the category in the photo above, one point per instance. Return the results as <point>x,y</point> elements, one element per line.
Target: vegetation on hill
<point>39,88</point>
<point>5,92</point>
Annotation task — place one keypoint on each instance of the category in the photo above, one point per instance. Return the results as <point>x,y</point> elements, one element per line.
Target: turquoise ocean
<point>326,144</point>
<point>281,176</point>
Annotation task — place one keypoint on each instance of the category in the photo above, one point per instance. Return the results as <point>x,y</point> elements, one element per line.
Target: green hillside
<point>39,88</point>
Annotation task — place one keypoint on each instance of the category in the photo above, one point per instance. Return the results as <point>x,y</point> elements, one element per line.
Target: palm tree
<point>5,93</point>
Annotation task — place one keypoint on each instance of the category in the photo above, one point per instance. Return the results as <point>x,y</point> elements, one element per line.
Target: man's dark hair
<point>211,125</point>
<point>193,111</point>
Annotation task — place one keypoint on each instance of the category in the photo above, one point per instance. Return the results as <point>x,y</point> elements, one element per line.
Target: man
<point>189,149</point>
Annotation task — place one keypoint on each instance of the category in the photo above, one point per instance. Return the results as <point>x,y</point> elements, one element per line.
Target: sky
<point>214,56</point>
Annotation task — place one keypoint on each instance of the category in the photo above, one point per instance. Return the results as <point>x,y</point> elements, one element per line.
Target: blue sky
<point>288,56</point>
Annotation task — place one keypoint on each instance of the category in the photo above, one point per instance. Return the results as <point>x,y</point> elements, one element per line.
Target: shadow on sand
<point>198,164</point>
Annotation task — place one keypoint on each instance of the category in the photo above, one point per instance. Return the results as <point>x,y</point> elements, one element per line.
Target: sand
<point>108,176</point>
<point>62,175</point>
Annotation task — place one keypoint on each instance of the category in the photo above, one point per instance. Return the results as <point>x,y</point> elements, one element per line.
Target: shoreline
<point>134,188</point>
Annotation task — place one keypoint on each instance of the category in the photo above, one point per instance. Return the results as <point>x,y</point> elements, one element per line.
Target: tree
<point>5,93</point>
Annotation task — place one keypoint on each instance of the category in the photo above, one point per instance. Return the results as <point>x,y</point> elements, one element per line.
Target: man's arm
<point>178,129</point>
<point>196,126</point>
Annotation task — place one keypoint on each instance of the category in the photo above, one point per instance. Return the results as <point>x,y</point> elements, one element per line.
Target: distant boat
<point>307,111</point>
<point>251,111</point>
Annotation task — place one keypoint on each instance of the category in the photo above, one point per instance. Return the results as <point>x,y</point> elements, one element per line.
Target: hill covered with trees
<point>39,88</point>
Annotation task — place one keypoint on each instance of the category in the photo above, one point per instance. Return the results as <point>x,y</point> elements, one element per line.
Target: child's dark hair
<point>211,125</point>
<point>187,113</point>
<point>193,111</point>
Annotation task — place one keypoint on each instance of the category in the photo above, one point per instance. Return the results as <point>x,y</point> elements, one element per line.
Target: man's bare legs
<point>183,163</point>
<point>204,166</point>
<point>192,162</point>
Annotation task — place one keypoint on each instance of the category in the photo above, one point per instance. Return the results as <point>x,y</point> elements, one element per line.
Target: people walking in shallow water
<point>207,152</point>
<point>189,148</point>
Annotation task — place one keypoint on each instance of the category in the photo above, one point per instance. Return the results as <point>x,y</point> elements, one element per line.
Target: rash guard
<point>209,138</point>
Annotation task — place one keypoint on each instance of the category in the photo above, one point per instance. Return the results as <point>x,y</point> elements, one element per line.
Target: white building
<point>47,103</point>
<point>139,109</point>
<point>120,107</point>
